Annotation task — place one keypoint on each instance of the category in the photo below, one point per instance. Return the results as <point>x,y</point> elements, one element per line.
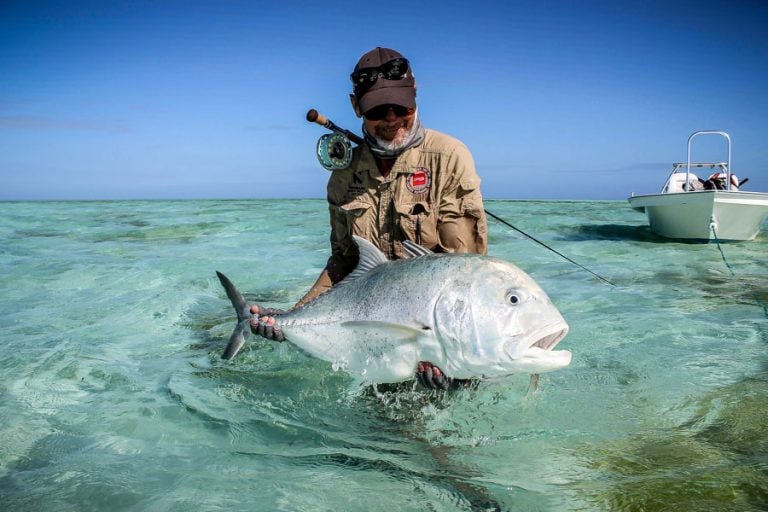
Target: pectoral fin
<point>385,330</point>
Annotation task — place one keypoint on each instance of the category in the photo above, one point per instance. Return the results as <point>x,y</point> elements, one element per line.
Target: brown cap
<point>383,77</point>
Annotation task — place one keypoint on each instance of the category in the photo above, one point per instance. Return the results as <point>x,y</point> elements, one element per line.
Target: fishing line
<point>548,247</point>
<point>328,152</point>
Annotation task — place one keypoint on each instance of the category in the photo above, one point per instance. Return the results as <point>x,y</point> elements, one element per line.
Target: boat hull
<point>693,215</point>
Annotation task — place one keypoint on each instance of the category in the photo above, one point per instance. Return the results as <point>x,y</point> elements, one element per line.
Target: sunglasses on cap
<point>364,78</point>
<point>380,112</point>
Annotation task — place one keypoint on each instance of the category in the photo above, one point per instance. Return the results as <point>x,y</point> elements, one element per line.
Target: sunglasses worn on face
<point>364,78</point>
<point>380,112</point>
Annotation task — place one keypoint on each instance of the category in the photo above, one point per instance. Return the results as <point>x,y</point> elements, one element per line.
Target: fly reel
<point>334,151</point>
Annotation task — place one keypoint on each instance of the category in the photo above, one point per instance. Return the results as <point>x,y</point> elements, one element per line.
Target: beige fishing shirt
<point>431,197</point>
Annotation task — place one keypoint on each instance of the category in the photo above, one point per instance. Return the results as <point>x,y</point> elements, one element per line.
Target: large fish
<point>473,316</point>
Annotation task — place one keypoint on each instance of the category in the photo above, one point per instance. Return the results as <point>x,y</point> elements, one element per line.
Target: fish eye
<point>514,297</point>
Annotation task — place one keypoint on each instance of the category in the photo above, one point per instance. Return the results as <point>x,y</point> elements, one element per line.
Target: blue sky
<point>563,100</point>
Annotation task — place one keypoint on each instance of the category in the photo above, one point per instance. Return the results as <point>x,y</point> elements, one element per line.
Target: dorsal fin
<point>414,250</point>
<point>370,258</point>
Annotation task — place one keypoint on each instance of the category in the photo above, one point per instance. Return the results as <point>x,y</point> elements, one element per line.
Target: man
<point>405,183</point>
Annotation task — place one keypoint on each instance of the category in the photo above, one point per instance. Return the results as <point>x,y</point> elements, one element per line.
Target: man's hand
<point>431,377</point>
<point>263,322</point>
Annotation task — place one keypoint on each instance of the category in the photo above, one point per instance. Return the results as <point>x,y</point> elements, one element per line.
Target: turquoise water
<point>113,396</point>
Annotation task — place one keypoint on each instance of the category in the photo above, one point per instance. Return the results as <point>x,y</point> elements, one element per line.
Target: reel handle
<point>313,116</point>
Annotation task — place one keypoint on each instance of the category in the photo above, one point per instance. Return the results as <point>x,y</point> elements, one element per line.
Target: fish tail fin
<point>237,339</point>
<point>243,310</point>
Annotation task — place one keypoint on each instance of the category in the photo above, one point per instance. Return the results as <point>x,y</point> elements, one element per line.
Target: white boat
<point>689,207</point>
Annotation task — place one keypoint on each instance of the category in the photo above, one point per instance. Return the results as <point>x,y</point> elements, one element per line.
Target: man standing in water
<point>405,183</point>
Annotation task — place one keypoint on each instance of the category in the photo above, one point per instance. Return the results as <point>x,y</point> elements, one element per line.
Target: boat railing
<point>728,164</point>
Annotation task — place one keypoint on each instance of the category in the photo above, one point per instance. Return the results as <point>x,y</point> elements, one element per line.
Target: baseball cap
<point>383,77</point>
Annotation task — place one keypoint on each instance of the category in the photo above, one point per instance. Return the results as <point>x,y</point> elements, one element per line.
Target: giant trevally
<point>473,316</point>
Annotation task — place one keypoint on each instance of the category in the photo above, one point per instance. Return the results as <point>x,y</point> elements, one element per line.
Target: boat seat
<point>676,183</point>
<point>718,182</point>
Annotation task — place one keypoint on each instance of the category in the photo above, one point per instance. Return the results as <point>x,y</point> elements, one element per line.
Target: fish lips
<point>538,355</point>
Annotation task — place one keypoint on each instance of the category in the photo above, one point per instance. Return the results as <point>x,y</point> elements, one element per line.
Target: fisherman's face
<point>397,121</point>
<point>387,122</point>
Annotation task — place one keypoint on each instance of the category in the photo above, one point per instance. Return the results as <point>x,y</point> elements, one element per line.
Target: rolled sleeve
<point>462,224</point>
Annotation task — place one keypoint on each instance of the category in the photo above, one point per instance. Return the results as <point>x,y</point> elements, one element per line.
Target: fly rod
<point>313,116</point>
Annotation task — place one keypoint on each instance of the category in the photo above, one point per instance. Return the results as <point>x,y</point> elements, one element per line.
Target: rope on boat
<point>720,248</point>
<point>761,303</point>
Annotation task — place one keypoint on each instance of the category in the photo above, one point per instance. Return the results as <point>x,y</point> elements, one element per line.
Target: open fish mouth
<point>537,356</point>
<point>539,344</point>
<point>548,341</point>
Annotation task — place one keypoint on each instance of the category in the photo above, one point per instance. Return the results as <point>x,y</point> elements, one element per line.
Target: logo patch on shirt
<point>357,186</point>
<point>419,181</point>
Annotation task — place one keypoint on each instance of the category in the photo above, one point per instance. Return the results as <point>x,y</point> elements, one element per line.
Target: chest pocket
<point>418,222</point>
<point>356,217</point>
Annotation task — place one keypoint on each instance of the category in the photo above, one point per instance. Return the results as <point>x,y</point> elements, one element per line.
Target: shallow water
<point>113,396</point>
